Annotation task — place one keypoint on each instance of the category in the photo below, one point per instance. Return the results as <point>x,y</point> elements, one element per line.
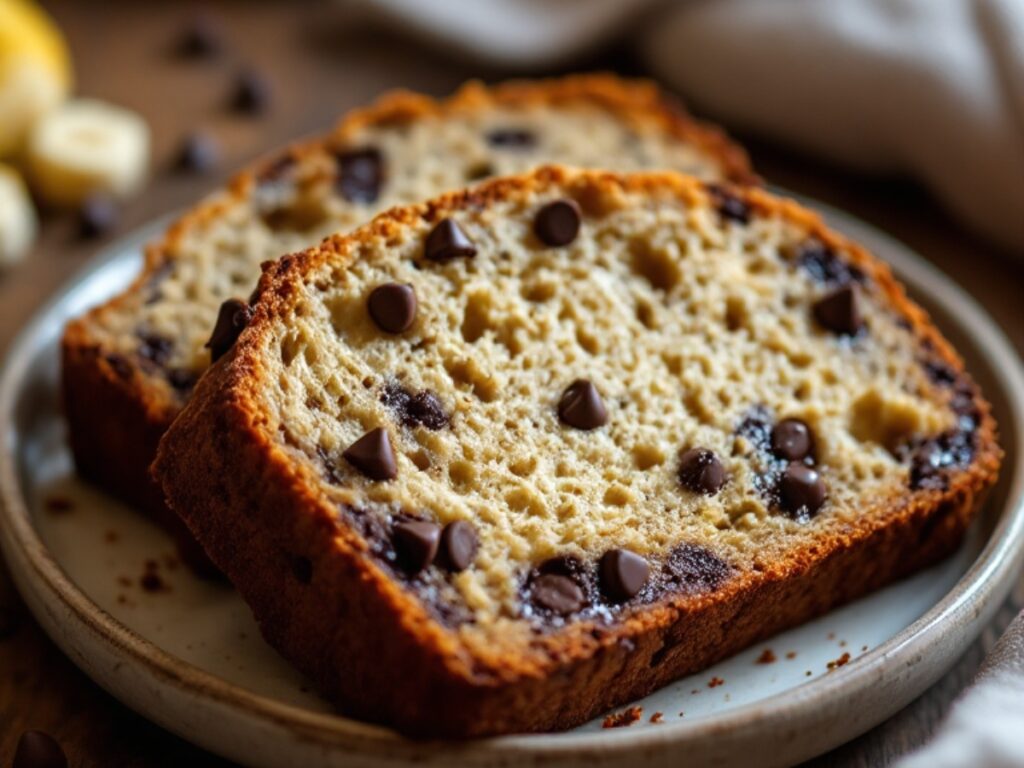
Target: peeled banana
<point>18,223</point>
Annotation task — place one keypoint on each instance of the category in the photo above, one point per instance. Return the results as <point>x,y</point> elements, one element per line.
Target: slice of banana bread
<point>503,460</point>
<point>129,365</point>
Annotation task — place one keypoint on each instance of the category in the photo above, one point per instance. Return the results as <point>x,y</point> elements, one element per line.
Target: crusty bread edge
<point>374,648</point>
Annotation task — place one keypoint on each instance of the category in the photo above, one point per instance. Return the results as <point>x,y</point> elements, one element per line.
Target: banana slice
<point>18,225</point>
<point>86,147</point>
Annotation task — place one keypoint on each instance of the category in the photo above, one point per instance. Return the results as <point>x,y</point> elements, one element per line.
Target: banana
<point>87,147</point>
<point>18,225</point>
<point>35,70</point>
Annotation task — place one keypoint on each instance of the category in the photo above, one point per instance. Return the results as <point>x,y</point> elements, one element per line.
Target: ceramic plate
<point>107,587</point>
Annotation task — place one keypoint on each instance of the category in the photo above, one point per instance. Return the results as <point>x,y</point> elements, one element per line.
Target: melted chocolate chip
<point>700,471</point>
<point>693,568</point>
<point>623,574</point>
<point>97,216</point>
<point>557,223</point>
<point>392,307</point>
<point>416,544</point>
<point>232,318</point>
<point>459,544</point>
<point>839,311</point>
<point>940,373</point>
<point>824,265</point>
<point>360,174</point>
<point>730,206</point>
<point>791,440</point>
<point>199,153</point>
<point>252,93</point>
<point>155,348</point>
<point>447,241</point>
<point>581,406</point>
<point>38,750</point>
<point>372,455</point>
<point>415,409</point>
<point>511,138</point>
<point>756,426</point>
<point>931,458</point>
<point>557,594</point>
<point>801,491</point>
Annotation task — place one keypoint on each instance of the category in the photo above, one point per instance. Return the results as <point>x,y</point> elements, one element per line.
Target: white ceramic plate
<point>187,654</point>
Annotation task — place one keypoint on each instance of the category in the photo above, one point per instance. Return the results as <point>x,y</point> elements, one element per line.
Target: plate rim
<point>988,579</point>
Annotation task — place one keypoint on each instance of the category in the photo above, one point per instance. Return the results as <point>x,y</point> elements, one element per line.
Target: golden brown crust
<point>375,648</point>
<point>115,419</point>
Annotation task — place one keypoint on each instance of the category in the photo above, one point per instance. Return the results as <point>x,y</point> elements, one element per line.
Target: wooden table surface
<point>322,60</point>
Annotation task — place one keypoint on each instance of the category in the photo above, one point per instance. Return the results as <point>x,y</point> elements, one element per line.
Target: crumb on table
<point>623,718</point>
<point>767,657</point>
<point>836,663</point>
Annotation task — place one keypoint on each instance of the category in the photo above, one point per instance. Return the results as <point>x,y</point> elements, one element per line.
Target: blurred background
<point>910,120</point>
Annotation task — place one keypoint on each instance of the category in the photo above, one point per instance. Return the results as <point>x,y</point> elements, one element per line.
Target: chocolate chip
<point>692,568</point>
<point>447,241</point>
<point>931,457</point>
<point>252,93</point>
<point>791,440</point>
<point>360,174</point>
<point>372,455</point>
<point>940,372</point>
<point>201,39</point>
<point>199,153</point>
<point>623,574</point>
<point>801,490</point>
<point>557,594</point>
<point>557,223</point>
<point>97,216</point>
<point>232,318</point>
<point>700,471</point>
<point>38,750</point>
<point>824,265</point>
<point>729,205</point>
<point>459,544</point>
<point>155,348</point>
<point>511,138</point>
<point>581,406</point>
<point>416,544</point>
<point>839,311</point>
<point>422,408</point>
<point>392,307</point>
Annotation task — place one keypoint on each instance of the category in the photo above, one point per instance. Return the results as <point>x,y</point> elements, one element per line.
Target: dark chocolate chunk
<point>38,750</point>
<point>372,455</point>
<point>693,568</point>
<point>392,307</point>
<point>730,206</point>
<point>792,440</point>
<point>97,216</point>
<point>940,373</point>
<point>557,594</point>
<point>700,471</point>
<point>801,490</point>
<point>199,153</point>
<point>252,93</point>
<point>422,408</point>
<point>824,265</point>
<point>201,39</point>
<point>930,458</point>
<point>557,223</point>
<point>839,311</point>
<point>581,406</point>
<point>416,544</point>
<point>511,138</point>
<point>623,574</point>
<point>155,348</point>
<point>447,241</point>
<point>232,318</point>
<point>459,544</point>
<point>756,426</point>
<point>360,174</point>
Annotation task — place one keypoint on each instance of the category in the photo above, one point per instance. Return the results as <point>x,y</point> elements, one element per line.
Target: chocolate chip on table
<point>372,455</point>
<point>791,440</point>
<point>801,490</point>
<point>360,174</point>
<point>557,223</point>
<point>201,38</point>
<point>38,750</point>
<point>447,241</point>
<point>416,543</point>
<point>252,93</point>
<point>700,471</point>
<point>232,318</point>
<point>581,407</point>
<point>839,310</point>
<point>557,594</point>
<point>392,307</point>
<point>511,138</point>
<point>623,574</point>
<point>459,544</point>
<point>199,153</point>
<point>97,216</point>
